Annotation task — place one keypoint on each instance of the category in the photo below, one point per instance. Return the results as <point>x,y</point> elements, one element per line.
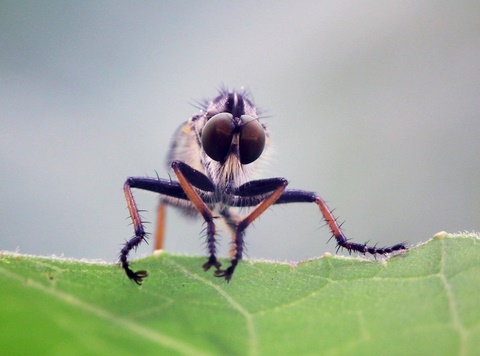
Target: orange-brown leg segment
<point>140,235</point>
<point>329,218</point>
<point>160,231</point>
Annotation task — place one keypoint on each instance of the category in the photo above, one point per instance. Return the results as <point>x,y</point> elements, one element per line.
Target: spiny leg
<point>300,196</point>
<point>161,186</point>
<point>182,170</point>
<point>140,235</point>
<point>238,243</point>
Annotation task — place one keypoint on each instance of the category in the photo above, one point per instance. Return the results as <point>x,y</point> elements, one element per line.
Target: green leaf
<point>425,301</point>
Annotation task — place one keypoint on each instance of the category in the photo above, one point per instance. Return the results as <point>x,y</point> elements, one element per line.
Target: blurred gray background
<point>374,105</point>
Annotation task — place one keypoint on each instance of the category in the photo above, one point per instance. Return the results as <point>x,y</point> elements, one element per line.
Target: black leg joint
<point>156,185</point>
<point>194,177</point>
<point>259,187</point>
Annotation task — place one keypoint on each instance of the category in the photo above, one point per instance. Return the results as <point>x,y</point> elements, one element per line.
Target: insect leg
<point>188,177</point>
<point>161,186</point>
<point>278,186</point>
<point>198,180</point>
<point>160,231</point>
<point>300,196</point>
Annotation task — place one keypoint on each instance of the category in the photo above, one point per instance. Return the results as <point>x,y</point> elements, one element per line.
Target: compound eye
<point>217,136</point>
<point>252,139</point>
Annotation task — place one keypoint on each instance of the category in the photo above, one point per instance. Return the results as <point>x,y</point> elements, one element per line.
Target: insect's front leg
<point>301,196</point>
<point>162,186</point>
<point>268,190</point>
<point>140,235</point>
<point>188,178</point>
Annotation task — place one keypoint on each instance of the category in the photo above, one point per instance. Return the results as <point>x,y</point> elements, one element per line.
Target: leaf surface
<point>425,301</point>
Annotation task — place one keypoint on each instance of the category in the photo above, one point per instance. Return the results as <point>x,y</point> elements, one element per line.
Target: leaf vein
<point>457,324</point>
<point>244,312</point>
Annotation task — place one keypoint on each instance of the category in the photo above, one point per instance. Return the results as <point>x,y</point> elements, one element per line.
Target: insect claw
<point>137,277</point>
<point>225,273</point>
<point>212,262</point>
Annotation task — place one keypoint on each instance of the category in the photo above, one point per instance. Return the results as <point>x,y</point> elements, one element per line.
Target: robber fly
<point>213,156</point>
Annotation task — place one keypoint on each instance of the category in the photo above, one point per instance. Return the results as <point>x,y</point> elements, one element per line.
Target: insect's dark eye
<point>252,139</point>
<point>217,136</point>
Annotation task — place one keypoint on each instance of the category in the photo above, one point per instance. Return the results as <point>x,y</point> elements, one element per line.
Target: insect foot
<point>225,273</point>
<point>137,277</point>
<point>212,262</point>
